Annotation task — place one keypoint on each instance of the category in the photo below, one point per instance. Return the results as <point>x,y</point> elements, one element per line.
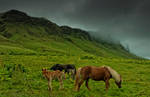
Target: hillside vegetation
<point>21,34</point>
<point>28,44</point>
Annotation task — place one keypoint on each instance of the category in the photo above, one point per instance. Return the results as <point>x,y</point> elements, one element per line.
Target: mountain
<point>21,34</point>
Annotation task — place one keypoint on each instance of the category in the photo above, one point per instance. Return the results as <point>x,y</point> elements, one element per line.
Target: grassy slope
<point>33,48</point>
<point>27,81</point>
<point>35,40</point>
<point>36,53</point>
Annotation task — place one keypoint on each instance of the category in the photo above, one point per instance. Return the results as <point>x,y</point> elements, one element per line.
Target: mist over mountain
<point>37,34</point>
<point>126,21</point>
<point>23,34</point>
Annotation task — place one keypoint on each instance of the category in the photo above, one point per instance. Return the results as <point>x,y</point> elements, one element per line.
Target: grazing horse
<point>68,68</point>
<point>57,67</point>
<point>103,73</point>
<point>50,75</point>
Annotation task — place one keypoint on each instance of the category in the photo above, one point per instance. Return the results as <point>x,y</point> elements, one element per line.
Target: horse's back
<point>57,67</point>
<point>69,66</point>
<point>85,72</point>
<point>95,73</point>
<point>86,69</point>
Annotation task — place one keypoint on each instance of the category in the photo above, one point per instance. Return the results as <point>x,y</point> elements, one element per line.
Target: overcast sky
<point>127,21</point>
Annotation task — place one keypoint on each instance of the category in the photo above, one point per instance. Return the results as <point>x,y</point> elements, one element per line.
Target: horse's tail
<point>114,74</point>
<point>77,77</point>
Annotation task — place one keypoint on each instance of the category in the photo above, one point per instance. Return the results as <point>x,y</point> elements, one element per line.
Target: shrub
<point>87,57</point>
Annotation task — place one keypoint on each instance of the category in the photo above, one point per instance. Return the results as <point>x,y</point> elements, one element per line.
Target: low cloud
<point>126,21</point>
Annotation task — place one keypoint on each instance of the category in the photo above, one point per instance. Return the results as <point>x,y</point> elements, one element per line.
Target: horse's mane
<point>114,74</point>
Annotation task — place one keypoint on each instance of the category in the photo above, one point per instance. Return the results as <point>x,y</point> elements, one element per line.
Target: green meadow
<point>26,80</point>
<point>28,44</point>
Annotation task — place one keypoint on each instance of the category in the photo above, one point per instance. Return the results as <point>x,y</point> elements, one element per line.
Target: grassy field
<point>28,44</point>
<point>26,80</point>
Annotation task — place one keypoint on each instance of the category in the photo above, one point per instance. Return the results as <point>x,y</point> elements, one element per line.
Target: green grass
<point>26,80</point>
<point>26,48</point>
<point>36,39</point>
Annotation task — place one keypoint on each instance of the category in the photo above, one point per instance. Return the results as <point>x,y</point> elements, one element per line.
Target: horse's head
<point>119,82</point>
<point>44,70</point>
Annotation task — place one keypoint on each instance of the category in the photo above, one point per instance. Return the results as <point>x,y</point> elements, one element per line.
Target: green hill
<point>28,44</point>
<point>21,34</point>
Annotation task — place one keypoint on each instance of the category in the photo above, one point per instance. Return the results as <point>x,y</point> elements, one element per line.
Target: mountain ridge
<point>15,16</point>
<point>39,35</point>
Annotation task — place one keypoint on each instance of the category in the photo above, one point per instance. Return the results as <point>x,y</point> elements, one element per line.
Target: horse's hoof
<point>61,88</point>
<point>49,89</point>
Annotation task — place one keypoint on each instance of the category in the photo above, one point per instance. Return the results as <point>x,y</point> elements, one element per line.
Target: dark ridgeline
<point>15,16</point>
<point>14,22</point>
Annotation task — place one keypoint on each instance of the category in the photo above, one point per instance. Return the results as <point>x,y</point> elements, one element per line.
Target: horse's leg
<point>66,71</point>
<point>87,84</point>
<point>72,73</point>
<point>76,82</point>
<point>79,85</point>
<point>61,82</point>
<point>77,79</point>
<point>69,73</point>
<point>50,84</point>
<point>107,84</point>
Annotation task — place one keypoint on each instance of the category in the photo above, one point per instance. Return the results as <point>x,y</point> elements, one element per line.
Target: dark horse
<point>68,68</point>
<point>103,73</point>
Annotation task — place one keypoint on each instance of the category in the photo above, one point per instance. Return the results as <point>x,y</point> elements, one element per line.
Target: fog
<point>126,21</point>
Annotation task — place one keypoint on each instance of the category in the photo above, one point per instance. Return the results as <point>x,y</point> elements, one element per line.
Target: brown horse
<point>103,73</point>
<point>50,75</point>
